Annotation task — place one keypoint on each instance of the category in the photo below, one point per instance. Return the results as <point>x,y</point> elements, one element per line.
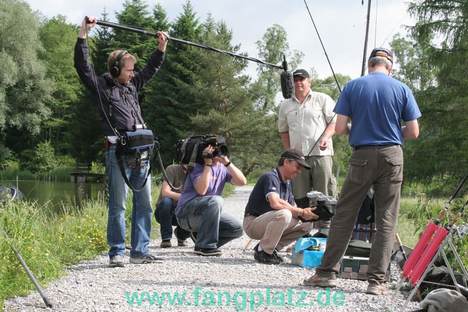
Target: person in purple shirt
<point>200,206</point>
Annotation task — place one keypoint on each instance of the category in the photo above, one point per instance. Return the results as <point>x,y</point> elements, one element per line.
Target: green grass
<point>50,243</point>
<point>407,229</point>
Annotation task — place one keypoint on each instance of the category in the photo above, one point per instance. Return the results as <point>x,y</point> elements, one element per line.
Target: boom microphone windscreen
<point>287,84</point>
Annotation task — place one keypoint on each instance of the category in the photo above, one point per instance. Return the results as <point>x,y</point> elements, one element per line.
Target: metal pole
<point>363,69</point>
<point>28,271</point>
<point>198,45</point>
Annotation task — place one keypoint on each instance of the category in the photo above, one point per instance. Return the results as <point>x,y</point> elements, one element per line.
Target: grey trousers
<point>275,229</point>
<point>319,178</point>
<point>381,167</point>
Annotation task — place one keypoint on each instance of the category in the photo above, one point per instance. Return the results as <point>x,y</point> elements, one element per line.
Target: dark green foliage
<point>170,100</point>
<point>433,63</point>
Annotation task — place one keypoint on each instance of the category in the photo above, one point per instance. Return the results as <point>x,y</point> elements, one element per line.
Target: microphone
<point>287,84</point>
<point>287,81</point>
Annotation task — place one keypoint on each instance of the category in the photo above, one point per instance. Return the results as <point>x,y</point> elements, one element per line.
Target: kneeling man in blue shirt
<point>271,215</point>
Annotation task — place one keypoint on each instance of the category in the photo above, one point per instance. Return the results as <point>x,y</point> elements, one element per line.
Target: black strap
<point>120,161</point>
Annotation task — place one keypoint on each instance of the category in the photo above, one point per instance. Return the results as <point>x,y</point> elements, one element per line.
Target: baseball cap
<point>382,52</point>
<point>301,73</point>
<point>296,155</point>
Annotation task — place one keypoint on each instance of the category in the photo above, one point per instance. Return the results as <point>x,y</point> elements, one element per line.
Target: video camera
<point>325,205</point>
<point>189,150</point>
<point>219,144</point>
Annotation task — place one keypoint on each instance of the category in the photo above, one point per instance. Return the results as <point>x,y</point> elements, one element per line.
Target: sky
<point>341,24</point>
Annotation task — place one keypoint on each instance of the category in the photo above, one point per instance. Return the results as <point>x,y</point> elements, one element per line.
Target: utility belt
<point>134,150</point>
<point>137,143</point>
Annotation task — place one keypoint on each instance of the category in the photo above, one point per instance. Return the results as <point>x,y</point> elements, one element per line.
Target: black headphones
<point>116,66</point>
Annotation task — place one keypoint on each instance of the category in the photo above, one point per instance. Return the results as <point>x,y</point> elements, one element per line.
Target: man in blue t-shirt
<point>376,104</point>
<point>271,215</point>
<point>199,209</point>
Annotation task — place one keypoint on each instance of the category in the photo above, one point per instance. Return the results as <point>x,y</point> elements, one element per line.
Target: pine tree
<point>171,100</point>
<point>441,49</point>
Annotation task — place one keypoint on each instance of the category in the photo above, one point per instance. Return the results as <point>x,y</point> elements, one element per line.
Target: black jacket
<point>120,102</point>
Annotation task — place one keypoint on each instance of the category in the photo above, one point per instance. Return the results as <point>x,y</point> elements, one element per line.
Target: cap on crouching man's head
<point>382,52</point>
<point>293,154</point>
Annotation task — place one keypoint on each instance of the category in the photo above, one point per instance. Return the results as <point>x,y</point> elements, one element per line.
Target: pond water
<point>55,195</point>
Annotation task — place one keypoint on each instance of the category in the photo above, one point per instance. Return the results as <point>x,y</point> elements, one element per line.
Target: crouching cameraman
<point>199,209</point>
<point>271,215</point>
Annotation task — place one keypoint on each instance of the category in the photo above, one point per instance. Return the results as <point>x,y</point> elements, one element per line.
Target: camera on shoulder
<point>190,149</point>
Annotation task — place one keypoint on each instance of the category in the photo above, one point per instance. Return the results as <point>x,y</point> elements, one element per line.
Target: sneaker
<point>144,259</point>
<point>181,243</point>
<point>207,251</point>
<point>376,289</point>
<point>116,261</point>
<point>317,280</point>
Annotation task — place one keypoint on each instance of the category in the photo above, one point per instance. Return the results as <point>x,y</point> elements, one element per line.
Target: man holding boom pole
<point>116,95</point>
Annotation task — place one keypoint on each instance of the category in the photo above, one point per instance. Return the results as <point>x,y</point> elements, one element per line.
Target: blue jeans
<point>141,212</point>
<point>214,228</point>
<point>165,216</point>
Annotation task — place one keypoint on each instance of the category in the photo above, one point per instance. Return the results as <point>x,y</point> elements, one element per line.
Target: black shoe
<point>277,256</point>
<point>207,251</point>
<point>165,243</point>
<point>263,257</point>
<point>181,243</point>
<point>320,235</point>
<point>181,234</point>
<point>193,236</point>
<point>256,252</point>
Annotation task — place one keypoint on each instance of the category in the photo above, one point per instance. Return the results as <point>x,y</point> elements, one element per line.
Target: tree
<point>225,105</point>
<point>170,100</point>
<point>24,87</point>
<point>441,49</point>
<point>271,48</point>
<point>58,37</point>
<point>85,131</point>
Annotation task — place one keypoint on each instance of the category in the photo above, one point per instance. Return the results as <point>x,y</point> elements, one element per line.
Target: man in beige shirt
<point>302,120</point>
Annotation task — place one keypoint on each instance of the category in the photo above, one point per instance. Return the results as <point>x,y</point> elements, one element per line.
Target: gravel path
<point>232,282</point>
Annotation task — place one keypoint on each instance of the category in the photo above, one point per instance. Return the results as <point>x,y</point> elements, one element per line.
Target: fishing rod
<point>323,47</point>
<point>327,122</point>
<point>287,84</point>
